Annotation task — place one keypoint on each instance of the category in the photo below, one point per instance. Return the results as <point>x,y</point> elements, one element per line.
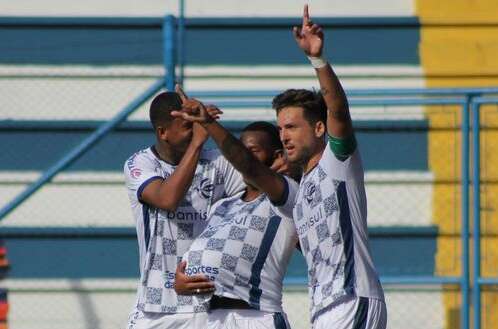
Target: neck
<point>251,193</point>
<point>313,160</point>
<point>166,153</point>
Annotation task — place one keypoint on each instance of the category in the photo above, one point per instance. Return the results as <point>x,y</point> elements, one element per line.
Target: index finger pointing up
<point>180,93</point>
<point>306,15</point>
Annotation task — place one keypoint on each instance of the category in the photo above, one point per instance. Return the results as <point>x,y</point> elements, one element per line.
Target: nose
<point>284,135</point>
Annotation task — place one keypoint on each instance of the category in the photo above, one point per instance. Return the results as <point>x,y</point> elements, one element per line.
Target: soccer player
<point>331,208</point>
<point>171,187</point>
<point>250,238</point>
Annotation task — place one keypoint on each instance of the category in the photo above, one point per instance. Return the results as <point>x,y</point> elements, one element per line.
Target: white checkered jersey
<point>246,248</point>
<point>164,236</point>
<point>331,220</point>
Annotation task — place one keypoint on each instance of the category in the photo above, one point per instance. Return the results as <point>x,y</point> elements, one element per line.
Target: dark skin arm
<point>168,193</point>
<point>255,172</point>
<point>309,38</point>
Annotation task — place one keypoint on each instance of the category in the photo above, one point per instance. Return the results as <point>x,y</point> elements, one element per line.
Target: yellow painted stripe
<point>459,47</point>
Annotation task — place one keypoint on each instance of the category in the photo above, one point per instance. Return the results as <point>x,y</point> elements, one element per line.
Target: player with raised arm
<point>171,186</point>
<point>250,238</point>
<point>331,207</point>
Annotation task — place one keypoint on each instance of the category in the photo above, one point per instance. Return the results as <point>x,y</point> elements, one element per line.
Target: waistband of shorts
<point>220,302</point>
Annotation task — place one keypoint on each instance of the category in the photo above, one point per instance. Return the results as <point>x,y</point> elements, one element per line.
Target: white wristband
<point>317,62</point>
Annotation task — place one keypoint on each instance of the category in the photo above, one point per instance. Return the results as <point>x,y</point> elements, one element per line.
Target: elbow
<point>169,206</point>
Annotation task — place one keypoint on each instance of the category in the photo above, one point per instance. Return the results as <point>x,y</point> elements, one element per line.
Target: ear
<point>278,154</point>
<point>320,129</point>
<point>162,133</point>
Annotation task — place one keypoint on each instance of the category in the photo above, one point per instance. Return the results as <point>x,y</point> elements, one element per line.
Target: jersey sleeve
<point>139,171</point>
<point>286,205</point>
<point>343,169</point>
<point>232,179</point>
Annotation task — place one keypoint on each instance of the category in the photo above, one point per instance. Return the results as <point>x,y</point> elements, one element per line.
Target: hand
<point>213,111</point>
<point>191,285</point>
<point>192,109</point>
<point>282,166</point>
<point>199,135</point>
<point>309,36</point>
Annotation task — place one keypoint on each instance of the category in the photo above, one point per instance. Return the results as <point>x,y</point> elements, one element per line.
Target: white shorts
<point>151,320</point>
<point>354,313</point>
<point>246,319</point>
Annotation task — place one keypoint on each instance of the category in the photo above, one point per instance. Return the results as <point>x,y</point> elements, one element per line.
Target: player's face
<point>179,134</point>
<point>300,139</point>
<point>258,143</point>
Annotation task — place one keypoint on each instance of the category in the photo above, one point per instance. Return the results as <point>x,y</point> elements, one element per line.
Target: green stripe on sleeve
<point>342,147</point>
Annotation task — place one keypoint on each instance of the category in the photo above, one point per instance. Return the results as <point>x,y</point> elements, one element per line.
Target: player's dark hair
<point>269,129</point>
<point>161,107</point>
<point>311,102</point>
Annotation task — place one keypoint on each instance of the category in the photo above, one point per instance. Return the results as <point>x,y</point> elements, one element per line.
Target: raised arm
<point>254,172</point>
<point>169,192</point>
<point>310,38</point>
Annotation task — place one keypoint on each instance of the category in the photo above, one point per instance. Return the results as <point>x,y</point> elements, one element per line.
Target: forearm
<point>338,117</point>
<point>243,161</point>
<point>173,189</point>
<point>235,152</point>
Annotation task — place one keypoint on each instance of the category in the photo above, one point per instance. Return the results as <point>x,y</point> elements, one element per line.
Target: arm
<point>168,193</point>
<point>256,173</point>
<point>240,157</point>
<point>309,37</point>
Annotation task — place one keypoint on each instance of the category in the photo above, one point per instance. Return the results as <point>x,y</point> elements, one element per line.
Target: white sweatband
<point>317,62</point>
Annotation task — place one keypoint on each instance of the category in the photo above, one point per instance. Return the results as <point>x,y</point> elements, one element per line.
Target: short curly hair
<point>161,107</point>
<point>311,102</point>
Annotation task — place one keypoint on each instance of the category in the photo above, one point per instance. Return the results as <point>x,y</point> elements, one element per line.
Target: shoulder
<point>143,159</point>
<point>210,154</point>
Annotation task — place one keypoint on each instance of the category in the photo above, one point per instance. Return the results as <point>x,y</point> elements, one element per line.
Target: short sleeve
<point>350,168</point>
<point>286,206</point>
<point>139,171</point>
<point>232,179</point>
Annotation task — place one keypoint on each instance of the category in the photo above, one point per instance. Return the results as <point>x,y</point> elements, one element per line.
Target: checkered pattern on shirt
<point>316,216</point>
<point>232,240</point>
<point>239,240</point>
<point>172,233</point>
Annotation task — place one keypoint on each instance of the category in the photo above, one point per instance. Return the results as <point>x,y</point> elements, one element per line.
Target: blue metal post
<point>477,214</point>
<point>181,41</point>
<point>465,282</point>
<point>169,52</point>
<point>79,150</point>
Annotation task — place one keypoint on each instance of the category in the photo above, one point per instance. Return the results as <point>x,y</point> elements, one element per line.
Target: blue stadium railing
<point>469,99</point>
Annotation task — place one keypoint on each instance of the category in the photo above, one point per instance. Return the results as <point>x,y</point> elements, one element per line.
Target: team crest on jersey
<point>309,192</point>
<point>205,188</point>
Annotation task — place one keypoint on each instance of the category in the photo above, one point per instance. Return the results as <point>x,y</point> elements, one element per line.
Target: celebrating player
<point>250,237</point>
<point>171,187</point>
<point>331,208</point>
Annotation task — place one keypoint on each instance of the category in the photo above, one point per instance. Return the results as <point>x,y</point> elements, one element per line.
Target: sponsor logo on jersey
<point>209,271</point>
<point>135,172</point>
<point>310,222</point>
<point>186,215</point>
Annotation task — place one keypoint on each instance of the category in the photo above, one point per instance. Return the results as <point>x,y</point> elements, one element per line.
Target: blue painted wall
<point>401,145</point>
<point>209,41</point>
<point>113,252</point>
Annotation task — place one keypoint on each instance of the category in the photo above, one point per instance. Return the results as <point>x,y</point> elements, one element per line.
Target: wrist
<point>197,145</point>
<point>318,62</point>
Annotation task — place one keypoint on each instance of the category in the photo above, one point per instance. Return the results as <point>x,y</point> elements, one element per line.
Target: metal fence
<point>101,298</point>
